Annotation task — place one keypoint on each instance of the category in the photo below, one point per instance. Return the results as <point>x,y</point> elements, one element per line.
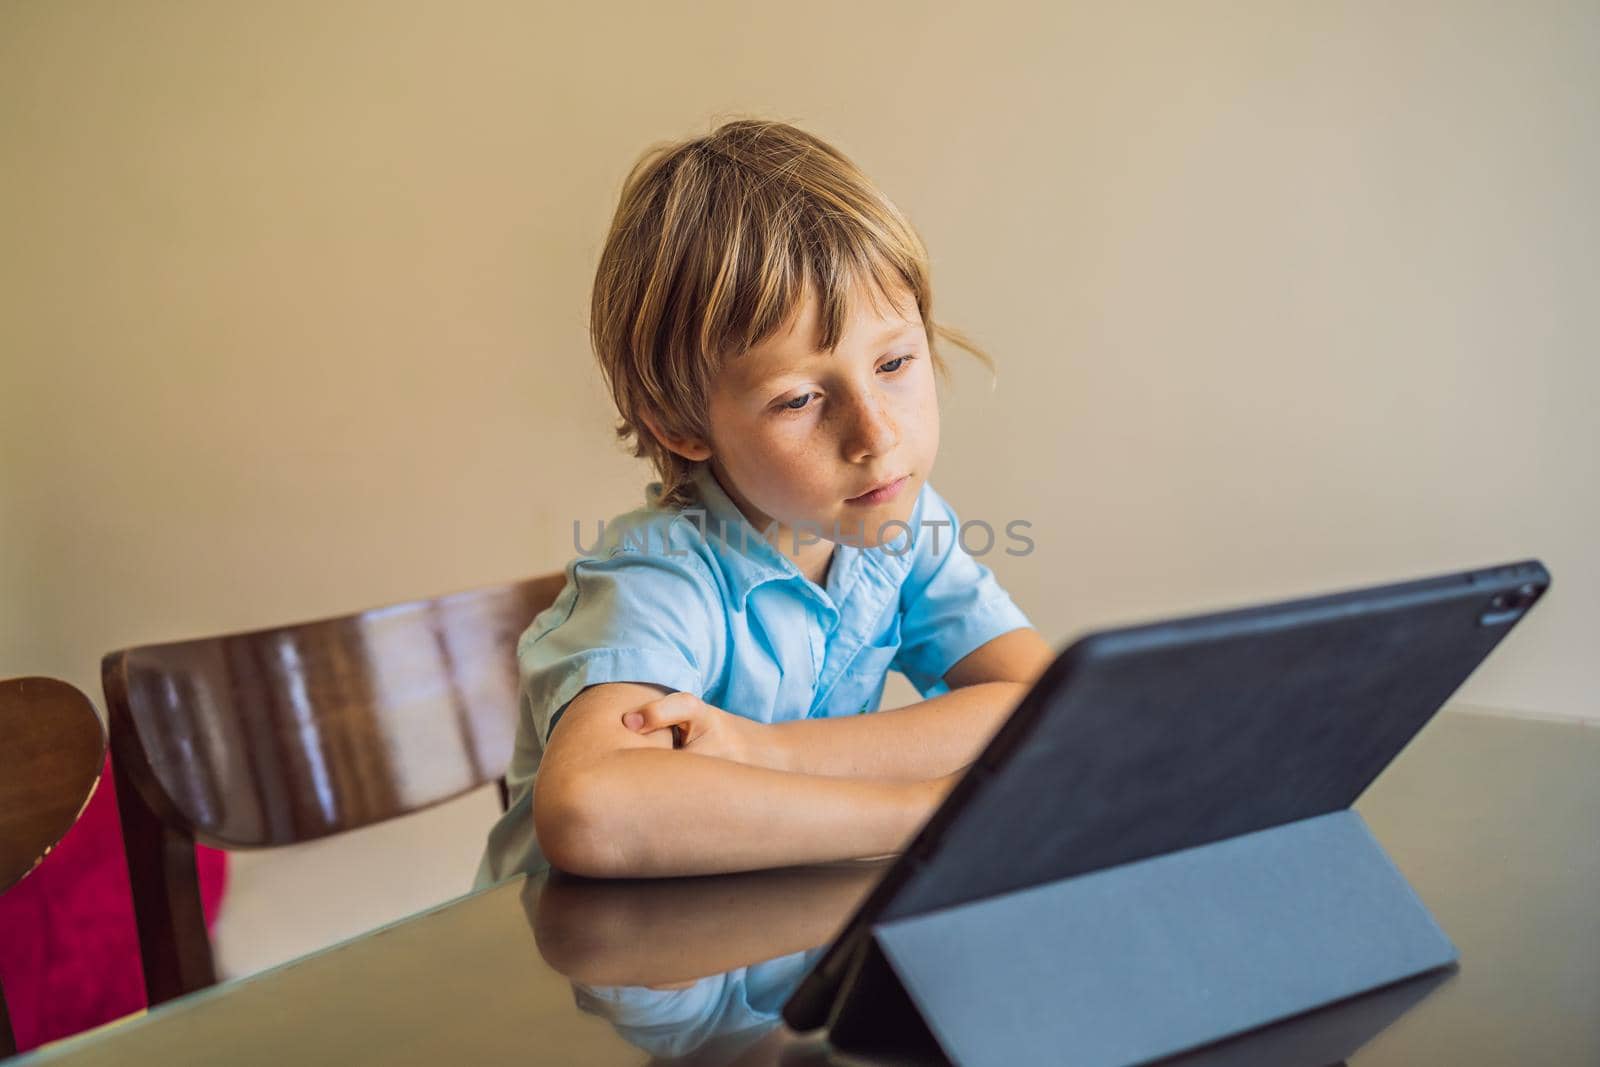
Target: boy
<point>690,702</point>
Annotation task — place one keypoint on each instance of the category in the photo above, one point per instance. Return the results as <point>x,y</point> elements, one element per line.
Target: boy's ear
<point>690,448</point>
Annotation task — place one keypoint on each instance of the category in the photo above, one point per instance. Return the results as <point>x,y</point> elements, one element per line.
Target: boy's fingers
<point>658,714</point>
<point>645,720</point>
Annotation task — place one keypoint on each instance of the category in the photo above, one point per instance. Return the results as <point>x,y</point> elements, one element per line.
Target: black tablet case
<point>1155,852</point>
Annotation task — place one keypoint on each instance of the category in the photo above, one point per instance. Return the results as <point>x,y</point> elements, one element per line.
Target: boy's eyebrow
<point>895,331</point>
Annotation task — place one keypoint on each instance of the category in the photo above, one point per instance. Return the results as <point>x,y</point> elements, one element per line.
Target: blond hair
<point>715,244</point>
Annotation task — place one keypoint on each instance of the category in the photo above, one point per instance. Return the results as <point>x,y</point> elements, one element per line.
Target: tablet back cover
<point>1177,734</point>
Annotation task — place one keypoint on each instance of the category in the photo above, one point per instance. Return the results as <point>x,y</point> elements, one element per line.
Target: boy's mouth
<point>881,493</point>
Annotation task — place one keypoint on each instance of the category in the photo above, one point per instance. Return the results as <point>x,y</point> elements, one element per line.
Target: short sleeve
<point>713,1019</point>
<point>631,617</point>
<point>950,603</point>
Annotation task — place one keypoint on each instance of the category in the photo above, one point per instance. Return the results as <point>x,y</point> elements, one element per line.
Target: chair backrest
<point>284,735</point>
<point>52,746</point>
<point>279,736</point>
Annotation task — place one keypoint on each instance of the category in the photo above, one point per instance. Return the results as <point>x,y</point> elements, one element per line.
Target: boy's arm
<point>611,802</point>
<point>670,930</point>
<point>931,737</point>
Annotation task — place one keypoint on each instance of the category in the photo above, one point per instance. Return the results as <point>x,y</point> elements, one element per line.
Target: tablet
<point>1147,739</point>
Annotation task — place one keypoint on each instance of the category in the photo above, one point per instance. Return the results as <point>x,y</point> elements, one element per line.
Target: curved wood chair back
<point>279,736</point>
<point>52,749</point>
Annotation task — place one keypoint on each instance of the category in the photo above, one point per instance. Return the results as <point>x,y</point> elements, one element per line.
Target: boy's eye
<point>800,403</point>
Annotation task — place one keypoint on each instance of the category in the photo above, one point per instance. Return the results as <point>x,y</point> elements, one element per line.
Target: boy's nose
<point>873,431</point>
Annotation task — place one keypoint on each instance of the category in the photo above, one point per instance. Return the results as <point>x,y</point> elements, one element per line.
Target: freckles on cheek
<point>790,476</point>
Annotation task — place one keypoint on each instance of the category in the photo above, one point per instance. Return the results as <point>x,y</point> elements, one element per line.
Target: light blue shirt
<point>698,600</point>
<point>715,1018</point>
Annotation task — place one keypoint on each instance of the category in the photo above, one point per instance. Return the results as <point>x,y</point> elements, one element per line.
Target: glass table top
<point>1494,820</point>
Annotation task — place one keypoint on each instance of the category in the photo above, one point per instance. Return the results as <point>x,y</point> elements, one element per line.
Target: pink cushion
<point>69,950</point>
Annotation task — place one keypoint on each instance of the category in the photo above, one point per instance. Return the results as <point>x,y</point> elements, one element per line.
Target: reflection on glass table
<point>696,970</point>
<point>692,969</point>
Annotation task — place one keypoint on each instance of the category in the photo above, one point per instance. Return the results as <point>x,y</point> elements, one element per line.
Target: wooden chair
<point>52,747</point>
<point>279,736</point>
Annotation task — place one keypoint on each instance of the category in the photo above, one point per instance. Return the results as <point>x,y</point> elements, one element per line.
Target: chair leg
<point>8,1040</point>
<point>173,945</point>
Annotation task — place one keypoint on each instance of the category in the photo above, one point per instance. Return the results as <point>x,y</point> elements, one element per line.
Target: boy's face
<point>798,435</point>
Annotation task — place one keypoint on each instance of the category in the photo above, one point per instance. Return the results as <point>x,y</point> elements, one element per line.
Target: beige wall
<point>1285,296</point>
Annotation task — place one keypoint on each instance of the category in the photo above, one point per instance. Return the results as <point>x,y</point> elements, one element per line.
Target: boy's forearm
<point>676,929</point>
<point>659,813</point>
<point>924,740</point>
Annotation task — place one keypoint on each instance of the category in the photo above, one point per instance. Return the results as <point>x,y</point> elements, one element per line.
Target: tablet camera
<point>1506,607</point>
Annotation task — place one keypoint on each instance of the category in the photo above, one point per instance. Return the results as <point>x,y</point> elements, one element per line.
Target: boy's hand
<point>698,727</point>
<point>939,788</point>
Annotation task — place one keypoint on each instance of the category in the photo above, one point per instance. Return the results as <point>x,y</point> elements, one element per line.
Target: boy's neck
<point>821,575</point>
<point>814,560</point>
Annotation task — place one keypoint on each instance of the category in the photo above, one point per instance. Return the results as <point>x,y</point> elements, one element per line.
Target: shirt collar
<point>749,559</point>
